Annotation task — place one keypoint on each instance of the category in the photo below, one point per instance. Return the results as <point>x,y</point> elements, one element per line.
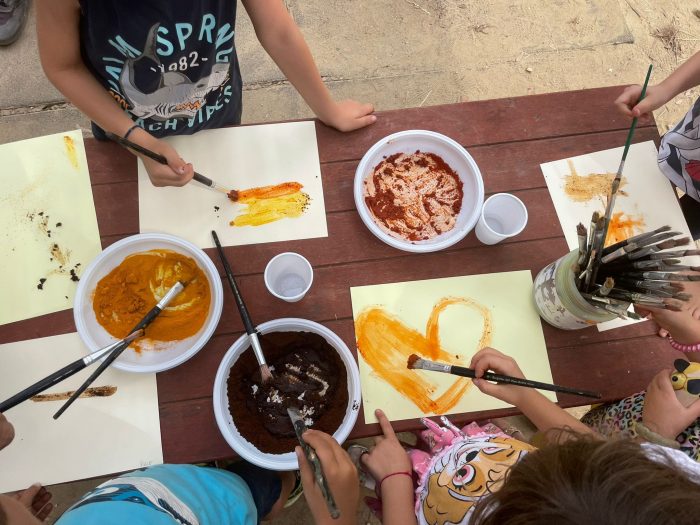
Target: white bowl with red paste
<point>222,412</point>
<point>418,191</point>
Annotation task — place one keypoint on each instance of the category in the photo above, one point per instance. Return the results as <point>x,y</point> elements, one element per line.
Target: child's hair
<point>585,481</point>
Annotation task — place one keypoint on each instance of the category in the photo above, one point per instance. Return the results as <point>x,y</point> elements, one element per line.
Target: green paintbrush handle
<point>634,120</point>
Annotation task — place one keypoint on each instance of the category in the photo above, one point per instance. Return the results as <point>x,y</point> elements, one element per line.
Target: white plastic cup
<point>288,276</point>
<point>503,215</point>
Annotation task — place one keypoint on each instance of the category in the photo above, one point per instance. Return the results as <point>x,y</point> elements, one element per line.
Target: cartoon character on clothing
<point>459,467</point>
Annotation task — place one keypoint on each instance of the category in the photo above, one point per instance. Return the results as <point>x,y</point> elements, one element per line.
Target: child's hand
<point>348,115</point>
<point>662,412</point>
<point>341,475</point>
<point>490,359</point>
<point>388,455</point>
<point>37,500</point>
<point>176,173</point>
<point>656,96</point>
<point>7,431</point>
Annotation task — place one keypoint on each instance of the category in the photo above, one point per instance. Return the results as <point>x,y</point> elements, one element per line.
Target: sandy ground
<point>408,53</point>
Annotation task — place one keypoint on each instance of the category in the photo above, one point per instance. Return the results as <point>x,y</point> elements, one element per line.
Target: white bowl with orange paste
<point>127,279</point>
<point>426,185</point>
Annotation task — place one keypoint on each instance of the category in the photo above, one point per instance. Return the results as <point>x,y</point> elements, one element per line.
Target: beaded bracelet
<point>394,474</point>
<point>128,132</point>
<point>649,435</point>
<point>682,347</point>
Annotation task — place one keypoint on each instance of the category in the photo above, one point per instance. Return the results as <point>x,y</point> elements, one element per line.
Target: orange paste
<point>124,296</point>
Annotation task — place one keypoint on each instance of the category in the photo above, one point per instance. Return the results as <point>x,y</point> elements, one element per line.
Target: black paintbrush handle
<point>154,156</point>
<point>43,384</point>
<point>98,371</point>
<point>518,381</point>
<point>247,322</point>
<point>143,323</point>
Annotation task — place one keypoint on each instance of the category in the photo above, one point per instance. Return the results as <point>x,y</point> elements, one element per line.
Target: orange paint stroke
<point>70,150</point>
<point>259,211</point>
<point>622,227</point>
<point>584,188</point>
<point>385,344</point>
<point>265,192</point>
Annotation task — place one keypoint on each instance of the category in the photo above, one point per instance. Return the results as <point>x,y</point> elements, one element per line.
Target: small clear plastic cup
<point>503,215</point>
<point>288,276</point>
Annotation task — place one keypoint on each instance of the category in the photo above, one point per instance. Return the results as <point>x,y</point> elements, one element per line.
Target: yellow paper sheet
<point>240,158</point>
<point>94,437</point>
<point>646,199</point>
<point>467,313</point>
<point>48,224</point>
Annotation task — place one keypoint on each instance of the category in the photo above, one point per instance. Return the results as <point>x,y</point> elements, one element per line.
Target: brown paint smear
<point>622,227</point>
<point>96,391</point>
<point>385,344</point>
<point>583,188</point>
<point>70,151</point>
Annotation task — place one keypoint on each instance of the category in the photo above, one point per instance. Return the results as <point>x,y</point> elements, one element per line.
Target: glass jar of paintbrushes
<point>559,301</point>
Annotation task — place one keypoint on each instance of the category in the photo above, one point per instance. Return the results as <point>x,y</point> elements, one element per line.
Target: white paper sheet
<point>95,436</point>
<point>648,202</point>
<point>237,158</point>
<point>48,224</point>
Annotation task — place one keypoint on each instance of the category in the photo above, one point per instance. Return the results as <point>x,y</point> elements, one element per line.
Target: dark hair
<point>585,481</point>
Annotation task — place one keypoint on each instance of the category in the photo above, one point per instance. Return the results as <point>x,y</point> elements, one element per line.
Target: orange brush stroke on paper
<point>386,343</point>
<point>70,151</point>
<point>623,226</point>
<point>270,203</point>
<point>584,188</point>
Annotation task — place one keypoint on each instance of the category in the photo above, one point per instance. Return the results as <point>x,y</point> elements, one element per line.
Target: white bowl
<point>96,337</point>
<point>454,155</point>
<point>243,447</point>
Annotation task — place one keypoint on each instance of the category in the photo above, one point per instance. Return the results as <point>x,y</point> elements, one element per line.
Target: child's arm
<point>340,474</point>
<point>57,24</point>
<point>391,468</point>
<point>544,414</point>
<point>285,44</point>
<point>682,79</point>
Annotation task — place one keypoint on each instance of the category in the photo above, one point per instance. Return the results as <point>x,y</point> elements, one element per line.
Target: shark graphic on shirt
<point>176,95</point>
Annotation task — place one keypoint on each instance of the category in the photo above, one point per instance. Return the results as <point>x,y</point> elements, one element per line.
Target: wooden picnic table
<point>508,138</point>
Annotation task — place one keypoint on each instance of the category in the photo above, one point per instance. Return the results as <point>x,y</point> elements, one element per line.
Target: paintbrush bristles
<point>412,360</point>
<point>265,373</point>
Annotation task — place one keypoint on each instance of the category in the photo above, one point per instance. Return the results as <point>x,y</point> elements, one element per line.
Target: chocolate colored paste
<point>307,374</point>
<point>414,196</point>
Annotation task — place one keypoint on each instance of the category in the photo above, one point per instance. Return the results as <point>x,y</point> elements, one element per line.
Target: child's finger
<point>323,445</point>
<point>384,423</point>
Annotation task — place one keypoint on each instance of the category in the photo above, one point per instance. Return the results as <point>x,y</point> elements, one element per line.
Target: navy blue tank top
<point>170,64</point>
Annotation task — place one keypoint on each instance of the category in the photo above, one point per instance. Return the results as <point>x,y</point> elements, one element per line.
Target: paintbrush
<point>313,459</point>
<point>649,285</point>
<point>65,372</point>
<point>620,252</point>
<point>416,363</point>
<point>608,285</point>
<point>634,239</point>
<point>141,325</point>
<point>245,316</point>
<point>679,253</point>
<point>664,276</point>
<point>618,176</point>
<point>582,242</point>
<point>231,194</point>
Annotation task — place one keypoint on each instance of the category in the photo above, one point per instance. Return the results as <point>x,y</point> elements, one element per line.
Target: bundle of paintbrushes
<point>646,270</point>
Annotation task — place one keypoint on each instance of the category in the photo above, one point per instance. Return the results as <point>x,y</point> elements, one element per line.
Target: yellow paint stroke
<point>70,150</point>
<point>271,203</point>
<point>623,226</point>
<point>386,343</point>
<point>583,188</point>
<point>95,391</point>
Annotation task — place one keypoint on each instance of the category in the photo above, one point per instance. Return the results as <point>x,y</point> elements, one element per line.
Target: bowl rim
<point>210,324</point>
<point>288,460</point>
<point>421,246</point>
